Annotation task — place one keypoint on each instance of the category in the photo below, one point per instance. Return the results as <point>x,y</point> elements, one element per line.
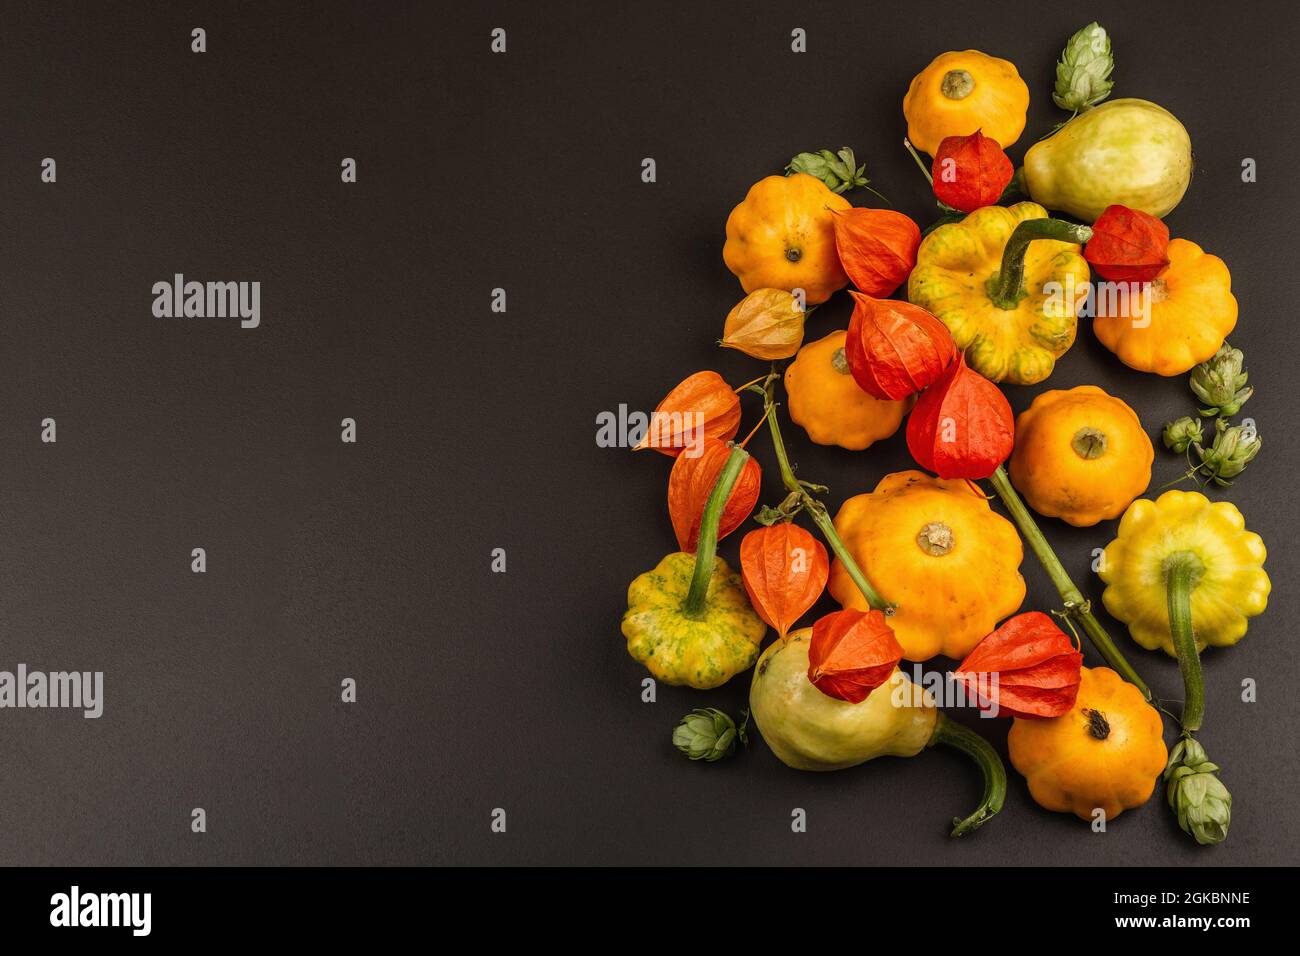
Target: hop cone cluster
<point>1083,72</point>
<point>707,734</point>
<point>1198,797</point>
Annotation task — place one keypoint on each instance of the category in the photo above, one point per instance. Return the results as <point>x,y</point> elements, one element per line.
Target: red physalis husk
<point>1036,664</point>
<point>784,569</point>
<point>692,479</point>
<point>1128,245</point>
<point>852,653</point>
<point>702,406</point>
<point>970,171</point>
<point>961,426</point>
<point>877,248</point>
<point>895,349</point>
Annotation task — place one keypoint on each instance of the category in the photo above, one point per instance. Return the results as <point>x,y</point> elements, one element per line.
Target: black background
<point>476,430</point>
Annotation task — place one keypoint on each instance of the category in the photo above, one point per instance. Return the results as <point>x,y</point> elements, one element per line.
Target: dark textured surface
<point>476,429</point>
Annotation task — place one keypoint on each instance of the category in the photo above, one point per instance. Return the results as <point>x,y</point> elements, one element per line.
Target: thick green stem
<point>706,547</point>
<point>1076,606</point>
<point>953,734</point>
<point>816,509</point>
<point>1007,287</point>
<point>1182,570</point>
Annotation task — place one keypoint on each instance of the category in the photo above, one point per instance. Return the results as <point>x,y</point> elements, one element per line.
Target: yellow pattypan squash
<point>1106,753</point>
<point>1081,455</point>
<point>781,237</point>
<point>829,405</point>
<point>936,549</point>
<point>961,92</point>
<point>704,650</point>
<point>1180,323</point>
<point>1011,306</point>
<point>1228,586</point>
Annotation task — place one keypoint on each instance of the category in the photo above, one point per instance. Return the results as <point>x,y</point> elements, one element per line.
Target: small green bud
<point>1083,72</point>
<point>1234,448</point>
<point>837,170</point>
<point>1221,382</point>
<point>1198,797</point>
<point>1181,434</point>
<point>708,734</point>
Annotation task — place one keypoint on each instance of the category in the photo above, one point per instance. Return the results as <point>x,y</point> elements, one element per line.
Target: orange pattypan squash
<point>1105,754</point>
<point>781,237</point>
<point>960,93</point>
<point>1182,320</point>
<point>827,402</point>
<point>937,550</point>
<point>1081,455</point>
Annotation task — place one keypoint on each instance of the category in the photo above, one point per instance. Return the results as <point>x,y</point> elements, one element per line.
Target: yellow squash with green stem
<point>1184,573</point>
<point>1008,282</point>
<point>689,621</point>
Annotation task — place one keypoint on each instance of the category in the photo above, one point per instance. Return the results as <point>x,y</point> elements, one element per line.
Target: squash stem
<point>816,510</point>
<point>953,734</point>
<point>1182,570</point>
<point>1007,287</point>
<point>706,547</point>
<point>1076,606</point>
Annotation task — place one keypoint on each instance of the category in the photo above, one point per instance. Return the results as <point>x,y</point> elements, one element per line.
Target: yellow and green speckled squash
<point>1012,327</point>
<point>703,651</point>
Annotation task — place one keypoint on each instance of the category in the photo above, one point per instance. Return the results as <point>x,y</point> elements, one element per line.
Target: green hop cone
<point>837,170</point>
<point>1235,447</point>
<point>1198,797</point>
<point>1182,434</point>
<point>1221,383</point>
<point>1083,72</point>
<point>707,734</point>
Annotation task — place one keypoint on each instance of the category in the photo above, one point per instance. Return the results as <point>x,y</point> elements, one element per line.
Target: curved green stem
<point>1076,605</point>
<point>953,734</point>
<point>1182,570</point>
<point>1007,287</point>
<point>706,547</point>
<point>815,508</point>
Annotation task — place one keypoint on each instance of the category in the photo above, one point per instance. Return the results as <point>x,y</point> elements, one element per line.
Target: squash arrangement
<point>922,565</point>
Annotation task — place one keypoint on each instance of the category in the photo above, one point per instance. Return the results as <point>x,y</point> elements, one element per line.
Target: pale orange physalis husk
<point>766,324</point>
